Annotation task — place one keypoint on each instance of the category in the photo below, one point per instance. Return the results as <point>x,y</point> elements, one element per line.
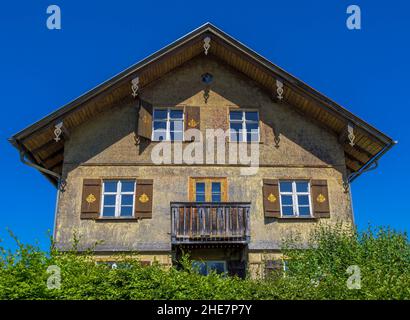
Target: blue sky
<point>366,71</point>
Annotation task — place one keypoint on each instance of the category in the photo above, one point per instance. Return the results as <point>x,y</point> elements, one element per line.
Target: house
<point>132,167</point>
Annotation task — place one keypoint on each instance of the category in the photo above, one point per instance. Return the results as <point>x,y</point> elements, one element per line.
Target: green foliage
<point>318,271</point>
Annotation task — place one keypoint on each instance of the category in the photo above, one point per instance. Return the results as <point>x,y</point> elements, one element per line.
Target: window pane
<point>287,211</point>
<point>176,125</point>
<point>252,115</point>
<point>303,200</point>
<point>127,186</point>
<point>108,211</point>
<point>159,135</point>
<point>236,132</point>
<point>200,197</point>
<point>160,114</point>
<point>235,115</point>
<point>127,200</point>
<point>304,211</point>
<point>109,200</point>
<point>252,127</point>
<point>126,211</point>
<point>252,131</point>
<point>286,200</point>
<point>216,187</point>
<point>200,187</point>
<point>176,114</point>
<point>110,186</point>
<point>176,136</point>
<point>285,186</point>
<point>200,267</point>
<point>160,125</point>
<point>253,137</point>
<point>302,186</point>
<point>218,267</point>
<point>216,197</point>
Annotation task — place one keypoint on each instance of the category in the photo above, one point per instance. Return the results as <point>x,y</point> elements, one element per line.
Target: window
<point>295,198</point>
<point>168,125</point>
<point>206,267</point>
<point>244,126</point>
<point>118,198</point>
<point>208,189</point>
<point>216,192</point>
<point>200,192</point>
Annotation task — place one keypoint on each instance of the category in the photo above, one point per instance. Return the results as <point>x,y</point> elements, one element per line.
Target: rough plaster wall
<point>98,148</point>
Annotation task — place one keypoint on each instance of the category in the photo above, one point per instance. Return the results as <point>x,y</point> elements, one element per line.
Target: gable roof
<point>36,142</point>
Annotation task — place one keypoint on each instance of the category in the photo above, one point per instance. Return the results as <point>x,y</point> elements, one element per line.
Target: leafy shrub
<point>318,271</point>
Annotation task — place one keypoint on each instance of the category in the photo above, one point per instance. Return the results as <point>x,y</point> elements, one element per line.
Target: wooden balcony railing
<point>205,222</point>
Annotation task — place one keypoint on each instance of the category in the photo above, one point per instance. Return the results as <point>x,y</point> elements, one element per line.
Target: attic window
<point>244,126</point>
<point>168,125</point>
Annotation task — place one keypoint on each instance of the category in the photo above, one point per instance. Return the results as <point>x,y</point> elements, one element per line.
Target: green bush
<point>318,271</point>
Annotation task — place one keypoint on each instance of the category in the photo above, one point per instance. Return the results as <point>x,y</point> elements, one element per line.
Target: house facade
<point>135,172</point>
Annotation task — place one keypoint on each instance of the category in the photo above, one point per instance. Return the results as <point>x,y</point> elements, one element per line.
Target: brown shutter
<point>192,118</point>
<point>320,199</point>
<point>145,120</point>
<point>91,199</point>
<point>143,199</point>
<point>271,201</point>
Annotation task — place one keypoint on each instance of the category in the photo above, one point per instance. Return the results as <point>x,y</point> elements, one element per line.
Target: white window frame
<point>118,197</point>
<point>295,195</point>
<point>244,121</point>
<point>168,124</point>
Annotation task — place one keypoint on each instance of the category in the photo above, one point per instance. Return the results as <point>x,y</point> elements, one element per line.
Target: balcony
<point>210,222</point>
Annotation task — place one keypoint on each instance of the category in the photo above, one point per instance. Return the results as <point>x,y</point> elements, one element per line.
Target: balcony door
<point>208,190</point>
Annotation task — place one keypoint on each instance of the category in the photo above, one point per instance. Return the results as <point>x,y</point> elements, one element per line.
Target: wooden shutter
<point>145,120</point>
<point>320,199</point>
<point>192,119</point>
<point>143,199</point>
<point>91,199</point>
<point>271,201</point>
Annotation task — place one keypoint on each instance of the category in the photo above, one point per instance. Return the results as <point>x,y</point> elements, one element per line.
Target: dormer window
<point>168,125</point>
<point>244,126</point>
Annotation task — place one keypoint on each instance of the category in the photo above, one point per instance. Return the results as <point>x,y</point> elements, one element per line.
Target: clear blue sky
<point>366,71</point>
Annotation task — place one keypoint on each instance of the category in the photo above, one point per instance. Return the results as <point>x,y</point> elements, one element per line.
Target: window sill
<point>117,219</point>
<point>298,218</point>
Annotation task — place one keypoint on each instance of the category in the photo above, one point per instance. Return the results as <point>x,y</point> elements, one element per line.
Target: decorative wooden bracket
<point>135,86</point>
<point>60,129</point>
<point>346,186</point>
<point>207,44</point>
<point>276,135</point>
<point>206,94</point>
<point>279,90</point>
<point>350,135</point>
<point>137,139</point>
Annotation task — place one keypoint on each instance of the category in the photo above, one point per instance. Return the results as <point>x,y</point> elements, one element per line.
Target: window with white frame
<point>244,126</point>
<point>295,198</point>
<point>168,125</point>
<point>118,198</point>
